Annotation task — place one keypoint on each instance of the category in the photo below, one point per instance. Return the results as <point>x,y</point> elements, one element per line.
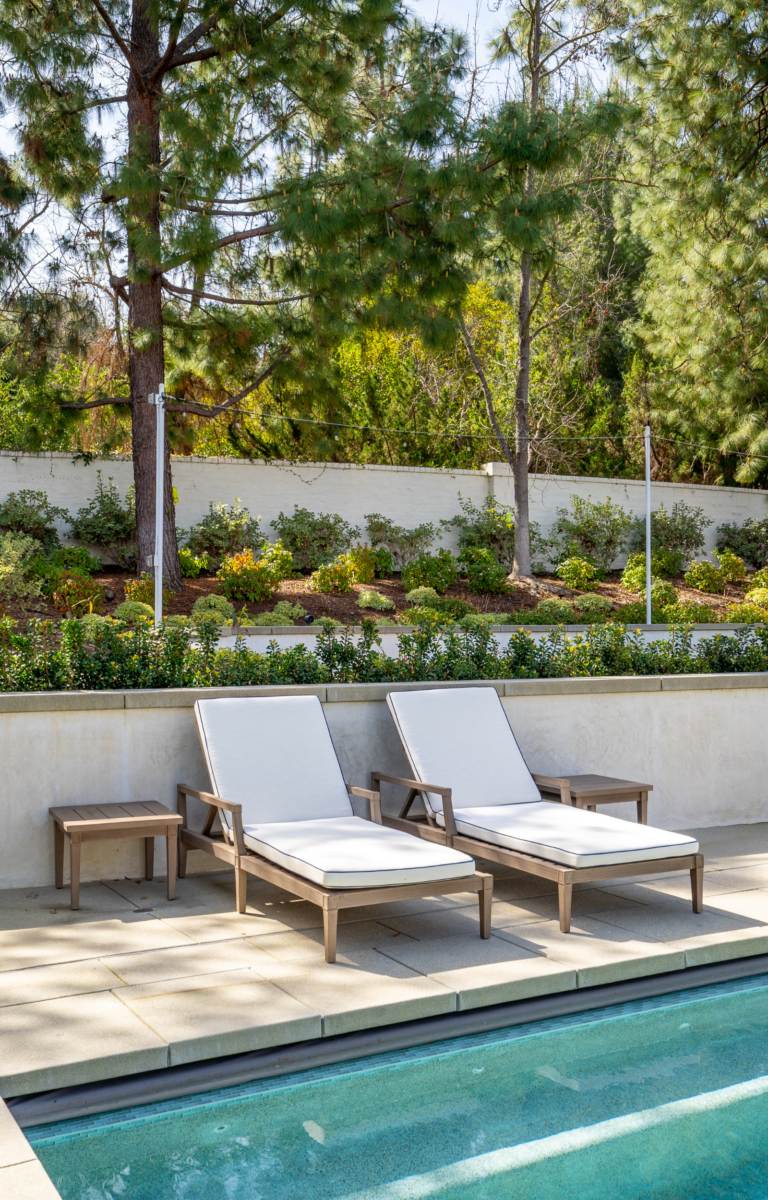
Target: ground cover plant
<point>99,655</point>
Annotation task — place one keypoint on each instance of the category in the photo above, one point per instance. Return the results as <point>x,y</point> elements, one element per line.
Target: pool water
<point>662,1099</point>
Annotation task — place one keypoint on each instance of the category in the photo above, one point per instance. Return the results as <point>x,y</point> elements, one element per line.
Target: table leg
<point>171,842</point>
<point>149,857</point>
<point>74,870</point>
<point>642,809</point>
<point>58,854</point>
<point>564,897</point>
<point>591,807</point>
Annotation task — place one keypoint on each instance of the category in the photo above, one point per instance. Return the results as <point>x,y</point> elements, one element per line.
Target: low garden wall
<point>407,495</point>
<point>699,739</point>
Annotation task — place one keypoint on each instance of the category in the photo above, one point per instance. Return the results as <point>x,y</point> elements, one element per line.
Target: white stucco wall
<point>700,740</point>
<point>408,495</point>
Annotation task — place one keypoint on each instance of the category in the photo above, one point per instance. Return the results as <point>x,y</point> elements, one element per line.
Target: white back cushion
<point>273,755</point>
<point>460,738</point>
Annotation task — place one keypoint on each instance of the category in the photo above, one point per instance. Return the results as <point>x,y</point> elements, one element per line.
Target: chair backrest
<point>273,755</point>
<point>460,738</point>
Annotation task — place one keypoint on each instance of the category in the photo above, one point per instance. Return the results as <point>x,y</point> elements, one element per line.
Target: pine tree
<point>203,105</point>
<point>701,143</point>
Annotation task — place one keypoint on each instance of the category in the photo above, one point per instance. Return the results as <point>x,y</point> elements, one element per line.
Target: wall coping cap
<point>17,702</point>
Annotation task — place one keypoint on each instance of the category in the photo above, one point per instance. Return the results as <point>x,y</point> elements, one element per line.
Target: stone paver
<point>59,1043</point>
<point>220,1014</point>
<point>27,1181</point>
<point>133,981</point>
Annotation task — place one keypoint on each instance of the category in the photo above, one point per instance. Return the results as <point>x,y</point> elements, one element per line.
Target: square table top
<point>596,785</point>
<point>131,815</point>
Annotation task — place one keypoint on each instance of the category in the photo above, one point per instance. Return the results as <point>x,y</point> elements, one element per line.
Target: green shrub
<point>662,593</point>
<point>635,614</point>
<point>485,619</point>
<point>226,529</point>
<point>383,561</point>
<point>363,561</point>
<point>597,532</point>
<point>143,590</point>
<point>759,579</point>
<point>747,613</point>
<point>405,545</point>
<point>134,610</point>
<point>214,605</point>
<point>485,574</point>
<point>106,522</point>
<point>178,622</point>
<point>17,582</point>
<point>337,576</point>
<point>758,596</point>
<point>451,606</point>
<point>593,608</point>
<point>689,614</point>
<point>328,623</point>
<point>491,527</point>
<point>245,578</point>
<point>676,537</point>
<point>555,611</point>
<point>578,573</point>
<point>314,539</point>
<point>49,569</point>
<point>421,596</point>
<point>78,594</point>
<point>437,571</point>
<point>749,541</point>
<point>633,575</point>
<point>286,613</point>
<point>92,621</point>
<point>707,578</point>
<point>375,600</point>
<point>31,513</point>
<point>192,566</point>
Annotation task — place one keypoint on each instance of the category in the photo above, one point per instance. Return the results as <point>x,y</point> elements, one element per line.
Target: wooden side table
<point>587,791</point>
<point>96,822</point>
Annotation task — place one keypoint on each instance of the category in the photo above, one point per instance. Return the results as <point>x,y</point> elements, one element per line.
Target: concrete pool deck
<point>133,982</point>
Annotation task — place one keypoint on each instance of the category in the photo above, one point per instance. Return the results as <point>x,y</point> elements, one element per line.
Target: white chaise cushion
<point>273,755</point>
<point>349,852</point>
<point>569,836</point>
<point>460,738</point>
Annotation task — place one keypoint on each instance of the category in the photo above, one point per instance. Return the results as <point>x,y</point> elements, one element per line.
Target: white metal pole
<point>648,524</point>
<point>159,401</point>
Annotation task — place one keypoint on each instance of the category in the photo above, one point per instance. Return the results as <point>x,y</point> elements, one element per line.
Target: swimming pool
<point>664,1098</point>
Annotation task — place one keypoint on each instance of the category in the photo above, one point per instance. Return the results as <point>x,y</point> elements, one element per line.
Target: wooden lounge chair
<point>286,817</point>
<point>488,805</point>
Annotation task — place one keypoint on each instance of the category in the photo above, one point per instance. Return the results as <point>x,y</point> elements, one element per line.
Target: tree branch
<point>173,37</point>
<point>122,44</point>
<point>198,56</point>
<point>99,403</point>
<point>227,241</point>
<point>214,411</point>
<point>503,443</point>
<point>182,291</point>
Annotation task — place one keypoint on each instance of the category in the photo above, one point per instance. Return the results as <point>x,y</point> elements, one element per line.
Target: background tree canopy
<point>335,239</point>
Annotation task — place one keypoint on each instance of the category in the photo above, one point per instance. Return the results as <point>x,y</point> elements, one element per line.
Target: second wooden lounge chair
<point>287,818</point>
<point>484,801</point>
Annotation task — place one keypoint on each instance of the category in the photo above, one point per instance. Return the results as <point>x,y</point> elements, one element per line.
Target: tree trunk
<point>146,362</point>
<point>522,563</point>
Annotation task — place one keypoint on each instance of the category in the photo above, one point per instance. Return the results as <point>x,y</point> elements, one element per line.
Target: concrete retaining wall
<point>700,740</point>
<point>408,495</point>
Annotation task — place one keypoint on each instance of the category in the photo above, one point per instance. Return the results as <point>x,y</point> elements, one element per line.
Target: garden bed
<point>343,606</point>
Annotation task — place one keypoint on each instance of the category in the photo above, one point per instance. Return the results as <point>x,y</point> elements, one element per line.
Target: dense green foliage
<point>107,655</point>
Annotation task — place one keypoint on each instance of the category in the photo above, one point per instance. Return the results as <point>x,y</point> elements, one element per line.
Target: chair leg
<point>485,896</point>
<point>241,889</point>
<point>330,926</point>
<point>181,851</point>
<point>171,843</point>
<point>642,809</point>
<point>58,854</point>
<point>74,871</point>
<point>149,857</point>
<point>564,896</point>
<point>697,887</point>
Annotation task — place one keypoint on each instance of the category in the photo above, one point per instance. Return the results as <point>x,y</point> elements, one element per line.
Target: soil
<point>343,607</point>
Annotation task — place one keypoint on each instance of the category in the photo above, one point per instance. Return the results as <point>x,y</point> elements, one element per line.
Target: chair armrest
<point>214,802</point>
<point>556,781</point>
<point>373,798</point>
<point>378,777</point>
<point>208,798</point>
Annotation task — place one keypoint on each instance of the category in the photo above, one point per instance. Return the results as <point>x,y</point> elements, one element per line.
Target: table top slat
<point>595,785</point>
<point>134,814</point>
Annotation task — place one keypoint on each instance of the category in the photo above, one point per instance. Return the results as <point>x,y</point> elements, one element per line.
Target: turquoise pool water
<point>662,1099</point>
